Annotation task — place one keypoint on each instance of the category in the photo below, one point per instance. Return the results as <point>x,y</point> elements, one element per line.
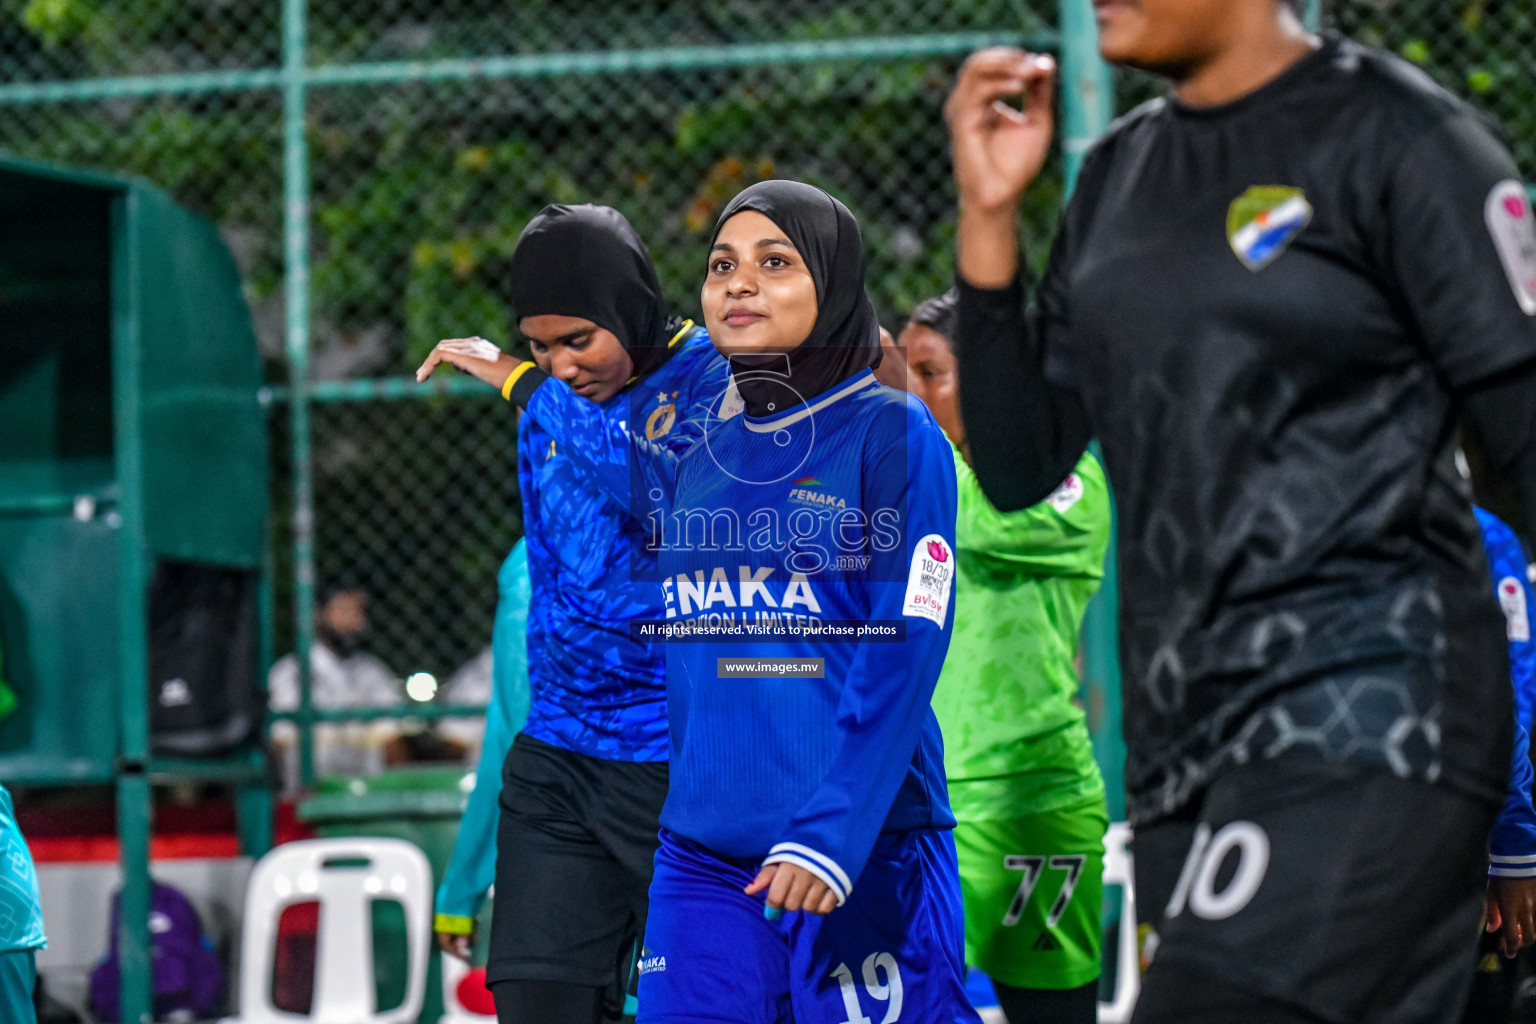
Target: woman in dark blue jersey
<point>807,870</point>
<point>613,373</point>
<point>1273,297</point>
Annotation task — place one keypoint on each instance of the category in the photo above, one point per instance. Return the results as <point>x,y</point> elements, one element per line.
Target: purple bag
<point>188,977</point>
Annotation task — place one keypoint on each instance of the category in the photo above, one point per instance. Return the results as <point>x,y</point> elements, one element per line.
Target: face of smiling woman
<point>758,294</point>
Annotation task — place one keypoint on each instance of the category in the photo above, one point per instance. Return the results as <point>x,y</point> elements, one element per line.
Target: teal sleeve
<point>21,909</point>
<point>473,866</point>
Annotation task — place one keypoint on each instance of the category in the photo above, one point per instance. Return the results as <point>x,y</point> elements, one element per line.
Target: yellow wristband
<point>512,379</point>
<point>453,924</point>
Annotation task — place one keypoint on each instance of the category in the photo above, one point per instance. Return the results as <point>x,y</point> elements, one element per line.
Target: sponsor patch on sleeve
<point>1510,222</point>
<point>1068,494</point>
<point>1516,615</point>
<point>930,579</point>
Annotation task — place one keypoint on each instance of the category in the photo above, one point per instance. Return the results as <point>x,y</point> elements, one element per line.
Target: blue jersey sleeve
<point>472,868</point>
<point>1512,845</point>
<point>615,450</point>
<point>886,699</point>
<point>1522,652</point>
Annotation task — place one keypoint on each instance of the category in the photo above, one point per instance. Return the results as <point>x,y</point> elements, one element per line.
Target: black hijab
<point>846,337</point>
<point>588,262</point>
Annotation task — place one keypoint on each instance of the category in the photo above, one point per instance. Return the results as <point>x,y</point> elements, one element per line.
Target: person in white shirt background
<point>343,677</point>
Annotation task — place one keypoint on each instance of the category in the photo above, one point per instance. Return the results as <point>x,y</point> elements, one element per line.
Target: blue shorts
<point>895,951</point>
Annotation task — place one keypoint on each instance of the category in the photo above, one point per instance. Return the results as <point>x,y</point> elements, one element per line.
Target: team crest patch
<point>1263,221</point>
<point>661,420</point>
<point>1510,222</point>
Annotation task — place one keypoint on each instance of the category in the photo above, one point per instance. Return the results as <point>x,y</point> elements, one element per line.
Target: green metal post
<point>1087,86</point>
<point>1101,672</point>
<point>253,797</point>
<point>134,806</point>
<point>1088,106</point>
<point>527,65</point>
<point>1314,16</point>
<point>253,810</point>
<point>296,260</point>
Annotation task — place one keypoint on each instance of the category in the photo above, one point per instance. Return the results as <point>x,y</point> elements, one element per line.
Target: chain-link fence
<point>1480,49</point>
<point>434,129</point>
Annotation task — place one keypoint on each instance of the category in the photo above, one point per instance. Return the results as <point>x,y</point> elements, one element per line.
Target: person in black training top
<point>1271,298</point>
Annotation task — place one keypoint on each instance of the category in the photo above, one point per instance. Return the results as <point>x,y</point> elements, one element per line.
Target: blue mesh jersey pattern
<point>594,690</point>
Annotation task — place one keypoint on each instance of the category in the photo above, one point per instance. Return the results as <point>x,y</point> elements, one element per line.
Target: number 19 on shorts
<point>887,991</point>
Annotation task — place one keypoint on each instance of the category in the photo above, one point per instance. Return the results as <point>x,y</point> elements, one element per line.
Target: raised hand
<point>475,356</point>
<point>998,150</point>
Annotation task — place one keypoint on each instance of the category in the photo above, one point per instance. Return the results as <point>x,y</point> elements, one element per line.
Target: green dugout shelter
<point>132,446</point>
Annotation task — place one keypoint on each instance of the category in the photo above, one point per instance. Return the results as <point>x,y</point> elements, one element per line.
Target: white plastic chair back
<point>454,1012</point>
<point>313,870</point>
<point>1118,870</point>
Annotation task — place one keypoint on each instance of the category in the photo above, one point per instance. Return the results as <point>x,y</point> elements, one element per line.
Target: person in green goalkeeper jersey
<point>1022,779</point>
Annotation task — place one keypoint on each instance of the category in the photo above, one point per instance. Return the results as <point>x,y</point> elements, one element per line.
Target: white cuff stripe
<point>827,863</point>
<point>1531,859</point>
<point>812,867</point>
<point>1499,872</point>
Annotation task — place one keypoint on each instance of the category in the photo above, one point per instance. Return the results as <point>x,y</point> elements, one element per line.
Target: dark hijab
<point>846,337</point>
<point>588,262</point>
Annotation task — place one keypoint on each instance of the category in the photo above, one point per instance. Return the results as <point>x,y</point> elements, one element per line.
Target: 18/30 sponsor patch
<point>1516,615</point>
<point>930,579</point>
<point>1510,222</point>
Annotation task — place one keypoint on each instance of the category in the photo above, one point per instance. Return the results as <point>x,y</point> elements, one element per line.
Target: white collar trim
<point>857,383</point>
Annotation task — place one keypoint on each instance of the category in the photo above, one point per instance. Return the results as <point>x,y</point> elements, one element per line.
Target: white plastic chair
<point>454,1012</point>
<point>344,876</point>
<point>1119,870</point>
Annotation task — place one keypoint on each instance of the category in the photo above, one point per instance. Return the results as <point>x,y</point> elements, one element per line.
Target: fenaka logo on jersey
<point>810,491</point>
<point>1516,615</point>
<point>1263,221</point>
<point>1510,222</point>
<point>650,962</point>
<point>930,579</point>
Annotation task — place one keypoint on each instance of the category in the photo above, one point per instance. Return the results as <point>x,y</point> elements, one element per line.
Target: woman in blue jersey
<point>583,784</point>
<point>806,869</point>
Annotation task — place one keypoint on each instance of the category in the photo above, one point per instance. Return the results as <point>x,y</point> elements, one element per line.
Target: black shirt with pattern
<point>1266,312</point>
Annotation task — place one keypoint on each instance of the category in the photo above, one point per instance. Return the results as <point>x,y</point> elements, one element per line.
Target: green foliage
<point>419,193</point>
<point>1479,49</point>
